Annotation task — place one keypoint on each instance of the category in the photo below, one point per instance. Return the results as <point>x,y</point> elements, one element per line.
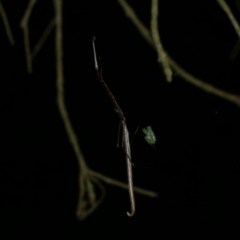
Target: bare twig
<point>162,56</point>
<point>6,24</point>
<point>24,26</point>
<point>230,15</point>
<point>43,38</point>
<point>184,74</point>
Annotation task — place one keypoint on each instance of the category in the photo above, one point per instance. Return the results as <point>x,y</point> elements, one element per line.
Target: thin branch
<point>162,56</point>
<point>136,21</point>
<point>6,24</point>
<point>114,182</point>
<point>60,86</point>
<point>230,15</point>
<point>205,86</point>
<point>24,26</point>
<point>61,102</point>
<point>43,38</point>
<point>184,74</point>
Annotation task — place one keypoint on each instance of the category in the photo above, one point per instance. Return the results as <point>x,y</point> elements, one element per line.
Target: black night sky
<point>195,167</point>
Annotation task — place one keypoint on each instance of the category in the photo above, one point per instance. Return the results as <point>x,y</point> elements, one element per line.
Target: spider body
<point>149,136</point>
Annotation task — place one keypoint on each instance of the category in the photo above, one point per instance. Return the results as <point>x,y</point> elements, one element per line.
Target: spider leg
<point>133,164</point>
<point>134,134</point>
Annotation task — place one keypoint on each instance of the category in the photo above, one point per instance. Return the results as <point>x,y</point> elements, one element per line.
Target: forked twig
<point>24,26</point>
<point>98,202</point>
<point>125,134</point>
<point>184,74</point>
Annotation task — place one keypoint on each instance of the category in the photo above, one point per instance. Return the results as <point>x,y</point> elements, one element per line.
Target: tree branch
<point>233,98</point>
<point>24,26</point>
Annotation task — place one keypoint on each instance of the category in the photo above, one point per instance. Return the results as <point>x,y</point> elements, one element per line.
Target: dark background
<point>196,161</point>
